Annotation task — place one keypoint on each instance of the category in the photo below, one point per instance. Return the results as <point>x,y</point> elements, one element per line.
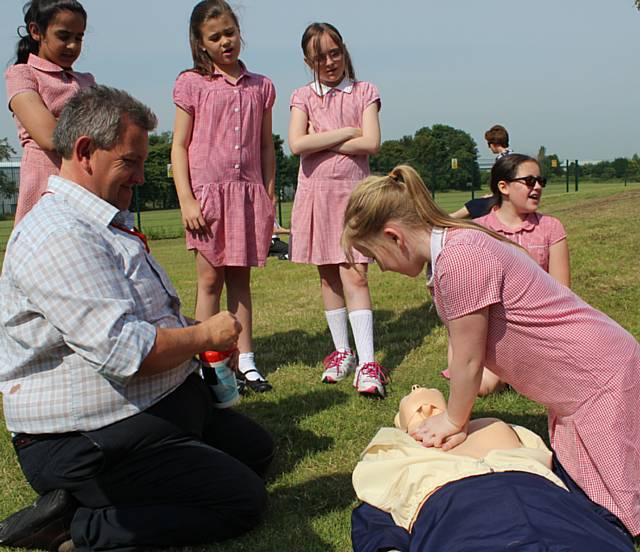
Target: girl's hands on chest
<point>438,431</point>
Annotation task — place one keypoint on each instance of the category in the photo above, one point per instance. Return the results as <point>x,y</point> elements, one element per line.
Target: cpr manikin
<point>417,498</point>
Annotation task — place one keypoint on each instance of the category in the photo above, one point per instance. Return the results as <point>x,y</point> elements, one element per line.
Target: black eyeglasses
<point>530,181</point>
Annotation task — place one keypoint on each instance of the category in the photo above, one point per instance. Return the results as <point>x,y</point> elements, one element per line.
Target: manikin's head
<point>417,406</point>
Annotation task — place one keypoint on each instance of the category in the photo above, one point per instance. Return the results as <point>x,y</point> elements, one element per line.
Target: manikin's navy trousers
<point>179,473</point>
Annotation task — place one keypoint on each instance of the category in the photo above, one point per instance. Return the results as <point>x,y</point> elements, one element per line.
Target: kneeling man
<point>112,425</point>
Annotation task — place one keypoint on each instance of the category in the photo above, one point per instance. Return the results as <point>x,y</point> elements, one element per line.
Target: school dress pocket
<point>540,253</point>
<point>210,204</point>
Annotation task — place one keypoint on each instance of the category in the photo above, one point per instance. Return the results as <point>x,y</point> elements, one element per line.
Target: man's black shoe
<point>45,524</point>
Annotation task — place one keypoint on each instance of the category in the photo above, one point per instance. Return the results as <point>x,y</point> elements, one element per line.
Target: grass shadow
<point>395,335</point>
<point>282,418</point>
<point>293,511</point>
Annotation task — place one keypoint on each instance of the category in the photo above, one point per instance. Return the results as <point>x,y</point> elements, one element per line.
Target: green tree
<point>158,191</point>
<point>7,188</point>
<point>547,162</point>
<point>165,137</point>
<point>620,167</point>
<point>392,153</point>
<point>544,161</point>
<point>430,151</point>
<point>455,143</point>
<point>555,165</point>
<point>634,166</point>
<point>286,170</point>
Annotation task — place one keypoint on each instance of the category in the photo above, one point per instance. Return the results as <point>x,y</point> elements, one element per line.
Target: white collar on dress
<point>437,243</point>
<point>346,85</point>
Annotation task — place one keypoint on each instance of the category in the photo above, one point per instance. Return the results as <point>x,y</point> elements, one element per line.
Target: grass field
<point>319,429</point>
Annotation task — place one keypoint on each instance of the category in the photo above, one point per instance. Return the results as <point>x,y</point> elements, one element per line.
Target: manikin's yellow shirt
<point>397,474</point>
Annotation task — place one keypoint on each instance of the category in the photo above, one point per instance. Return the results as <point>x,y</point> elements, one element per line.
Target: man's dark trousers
<point>179,473</point>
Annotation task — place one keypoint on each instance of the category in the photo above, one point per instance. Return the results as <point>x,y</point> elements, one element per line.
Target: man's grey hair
<point>98,112</point>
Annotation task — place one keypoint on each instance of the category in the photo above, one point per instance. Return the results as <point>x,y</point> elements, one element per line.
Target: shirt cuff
<point>132,346</point>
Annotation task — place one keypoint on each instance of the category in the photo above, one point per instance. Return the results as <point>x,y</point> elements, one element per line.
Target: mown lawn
<point>319,429</point>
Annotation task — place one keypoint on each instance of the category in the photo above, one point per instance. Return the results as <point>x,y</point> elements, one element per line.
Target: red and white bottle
<point>220,377</point>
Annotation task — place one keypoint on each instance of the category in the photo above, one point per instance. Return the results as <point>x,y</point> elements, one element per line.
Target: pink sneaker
<point>338,365</point>
<point>370,379</point>
<point>445,374</point>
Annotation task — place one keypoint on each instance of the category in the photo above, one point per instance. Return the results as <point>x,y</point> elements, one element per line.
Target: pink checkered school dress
<point>326,178</point>
<point>536,234</point>
<point>55,86</point>
<point>554,348</point>
<point>225,165</point>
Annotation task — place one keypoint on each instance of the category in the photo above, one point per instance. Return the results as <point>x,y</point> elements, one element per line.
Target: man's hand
<point>234,361</point>
<point>221,331</point>
<point>174,346</point>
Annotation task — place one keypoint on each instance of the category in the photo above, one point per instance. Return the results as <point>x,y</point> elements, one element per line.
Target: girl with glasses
<point>334,127</point>
<point>517,188</point>
<point>501,310</point>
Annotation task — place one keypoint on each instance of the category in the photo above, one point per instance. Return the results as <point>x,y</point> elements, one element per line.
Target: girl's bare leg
<point>209,289</point>
<point>238,281</point>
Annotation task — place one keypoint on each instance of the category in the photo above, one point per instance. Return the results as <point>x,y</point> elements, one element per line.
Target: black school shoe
<point>44,525</point>
<point>257,386</point>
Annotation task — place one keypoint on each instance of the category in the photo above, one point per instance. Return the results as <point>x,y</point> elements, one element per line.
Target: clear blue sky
<point>564,74</point>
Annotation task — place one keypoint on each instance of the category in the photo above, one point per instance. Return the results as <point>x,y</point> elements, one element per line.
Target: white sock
<point>247,362</point>
<point>337,320</point>
<point>362,327</point>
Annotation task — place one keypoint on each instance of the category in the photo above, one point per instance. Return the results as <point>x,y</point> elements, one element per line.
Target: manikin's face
<point>221,39</point>
<point>118,170</point>
<point>331,61</point>
<point>523,199</point>
<point>417,406</point>
<point>61,42</point>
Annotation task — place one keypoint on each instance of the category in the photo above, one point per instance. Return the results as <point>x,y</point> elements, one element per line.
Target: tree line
<point>431,151</point>
<point>620,168</point>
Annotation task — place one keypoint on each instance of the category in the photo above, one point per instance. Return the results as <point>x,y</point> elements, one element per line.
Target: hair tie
<point>26,31</point>
<point>393,176</point>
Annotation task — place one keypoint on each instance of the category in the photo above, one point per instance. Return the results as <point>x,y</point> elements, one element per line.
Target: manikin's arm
<point>559,262</point>
<point>301,141</point>
<point>467,338</point>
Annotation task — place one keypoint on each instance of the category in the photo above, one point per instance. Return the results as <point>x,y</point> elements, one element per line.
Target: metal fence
<point>10,171</point>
